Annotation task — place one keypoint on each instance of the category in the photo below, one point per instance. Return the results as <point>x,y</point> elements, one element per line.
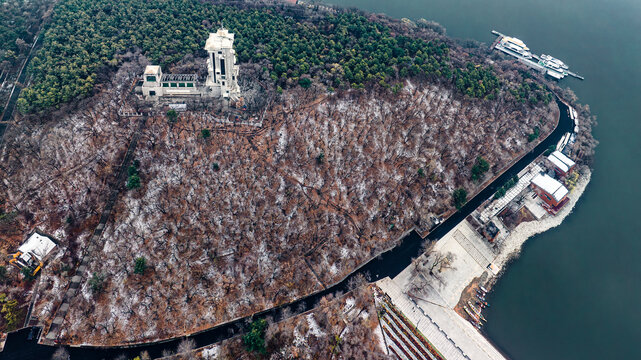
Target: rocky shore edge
<point>514,242</point>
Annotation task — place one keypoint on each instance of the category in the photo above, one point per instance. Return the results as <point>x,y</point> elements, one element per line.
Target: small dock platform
<point>496,42</point>
<point>576,75</point>
<point>498,39</point>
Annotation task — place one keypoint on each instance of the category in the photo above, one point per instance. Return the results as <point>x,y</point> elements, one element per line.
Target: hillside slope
<point>250,218</point>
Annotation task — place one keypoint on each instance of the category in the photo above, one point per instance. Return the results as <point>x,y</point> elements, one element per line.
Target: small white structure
<point>32,253</point>
<point>222,70</point>
<point>178,107</point>
<point>562,164</point>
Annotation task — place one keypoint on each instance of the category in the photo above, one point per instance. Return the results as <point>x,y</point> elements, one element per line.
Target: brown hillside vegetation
<point>226,241</point>
<point>56,174</point>
<point>56,177</point>
<point>339,328</point>
<point>249,218</point>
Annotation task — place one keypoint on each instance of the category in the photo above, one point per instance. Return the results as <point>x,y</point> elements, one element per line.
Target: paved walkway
<point>476,252</point>
<point>446,346</point>
<point>524,181</point>
<point>81,274</point>
<point>469,255</point>
<point>453,336</point>
<point>431,305</point>
<point>468,338</point>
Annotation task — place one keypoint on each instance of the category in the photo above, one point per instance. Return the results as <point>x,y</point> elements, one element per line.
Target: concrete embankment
<point>432,291</point>
<point>524,231</point>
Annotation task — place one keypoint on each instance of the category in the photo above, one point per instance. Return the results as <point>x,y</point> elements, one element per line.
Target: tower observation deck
<point>221,64</point>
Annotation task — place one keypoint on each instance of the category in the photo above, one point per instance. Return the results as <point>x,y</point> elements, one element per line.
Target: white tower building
<point>222,78</point>
<point>221,65</point>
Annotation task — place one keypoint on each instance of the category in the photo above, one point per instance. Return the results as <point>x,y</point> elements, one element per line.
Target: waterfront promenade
<point>430,296</point>
<point>429,301</point>
<point>456,341</point>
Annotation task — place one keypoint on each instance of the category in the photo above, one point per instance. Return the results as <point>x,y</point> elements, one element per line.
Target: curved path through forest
<point>390,263</point>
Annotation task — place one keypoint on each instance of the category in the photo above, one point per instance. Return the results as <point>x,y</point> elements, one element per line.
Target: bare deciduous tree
<point>185,349</point>
<point>441,261</point>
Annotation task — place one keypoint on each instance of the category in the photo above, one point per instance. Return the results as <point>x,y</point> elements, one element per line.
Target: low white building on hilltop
<point>222,74</point>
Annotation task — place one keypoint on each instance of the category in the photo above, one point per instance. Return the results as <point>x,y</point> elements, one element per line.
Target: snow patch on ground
<point>333,269</point>
<point>349,304</point>
<point>314,329</point>
<point>299,340</point>
<point>381,339</point>
<point>211,353</point>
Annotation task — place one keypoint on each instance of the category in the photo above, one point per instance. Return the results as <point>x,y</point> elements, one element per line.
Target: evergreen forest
<point>19,22</point>
<point>343,50</point>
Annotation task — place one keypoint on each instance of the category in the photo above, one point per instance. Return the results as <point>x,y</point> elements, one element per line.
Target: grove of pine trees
<point>343,50</point>
<point>19,22</point>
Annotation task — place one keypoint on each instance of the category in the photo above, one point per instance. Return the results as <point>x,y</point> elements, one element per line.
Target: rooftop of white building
<point>550,186</point>
<point>152,69</point>
<point>222,39</point>
<point>561,161</point>
<point>37,244</point>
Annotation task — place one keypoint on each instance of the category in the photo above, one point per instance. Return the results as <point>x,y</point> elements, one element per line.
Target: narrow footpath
<point>53,332</point>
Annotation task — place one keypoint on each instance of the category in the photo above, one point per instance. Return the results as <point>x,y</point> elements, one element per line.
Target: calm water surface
<point>575,291</point>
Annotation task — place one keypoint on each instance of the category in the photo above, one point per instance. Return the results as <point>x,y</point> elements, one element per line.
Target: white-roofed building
<point>562,164</point>
<point>152,69</point>
<point>222,78</point>
<point>221,39</point>
<point>221,63</point>
<point>33,252</point>
<point>549,189</point>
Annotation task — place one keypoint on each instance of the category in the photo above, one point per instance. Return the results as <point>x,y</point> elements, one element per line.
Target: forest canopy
<point>19,21</point>
<point>345,49</point>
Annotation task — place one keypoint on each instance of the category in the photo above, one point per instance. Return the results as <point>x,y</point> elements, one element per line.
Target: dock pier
<point>576,75</point>
<point>498,39</point>
<point>539,64</point>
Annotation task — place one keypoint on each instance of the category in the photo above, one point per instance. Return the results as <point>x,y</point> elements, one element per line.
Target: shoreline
<point>434,298</point>
<point>513,247</point>
<point>514,242</point>
<point>522,233</point>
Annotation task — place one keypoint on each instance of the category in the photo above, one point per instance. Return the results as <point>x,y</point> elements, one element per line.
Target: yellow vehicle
<point>28,260</point>
<point>32,253</point>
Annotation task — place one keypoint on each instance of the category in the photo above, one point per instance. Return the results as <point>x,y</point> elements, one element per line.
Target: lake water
<point>575,291</point>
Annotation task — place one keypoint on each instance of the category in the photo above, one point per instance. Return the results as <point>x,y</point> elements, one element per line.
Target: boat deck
<point>537,64</point>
